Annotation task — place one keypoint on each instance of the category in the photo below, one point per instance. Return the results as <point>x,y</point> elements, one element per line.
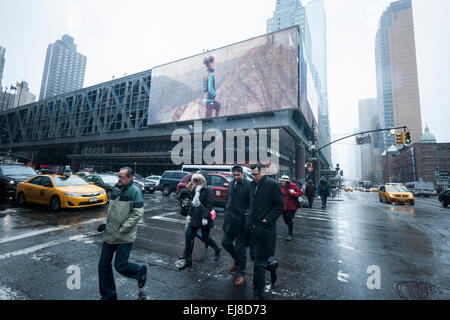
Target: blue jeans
<point>324,197</point>
<point>121,264</point>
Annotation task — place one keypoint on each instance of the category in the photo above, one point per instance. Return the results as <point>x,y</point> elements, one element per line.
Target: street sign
<point>312,159</point>
<point>363,139</point>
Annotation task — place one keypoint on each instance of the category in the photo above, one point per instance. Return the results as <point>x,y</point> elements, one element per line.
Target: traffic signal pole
<point>357,134</point>
<point>315,151</point>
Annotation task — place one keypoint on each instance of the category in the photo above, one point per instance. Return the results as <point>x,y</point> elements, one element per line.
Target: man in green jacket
<point>125,210</point>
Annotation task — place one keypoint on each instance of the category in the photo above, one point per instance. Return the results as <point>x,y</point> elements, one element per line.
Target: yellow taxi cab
<point>348,189</point>
<point>373,189</point>
<point>395,193</point>
<point>58,191</point>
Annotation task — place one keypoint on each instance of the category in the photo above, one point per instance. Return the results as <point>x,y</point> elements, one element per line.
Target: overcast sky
<point>121,37</point>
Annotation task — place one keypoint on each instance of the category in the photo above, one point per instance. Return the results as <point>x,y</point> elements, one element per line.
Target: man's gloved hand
<point>101,227</point>
<point>204,222</point>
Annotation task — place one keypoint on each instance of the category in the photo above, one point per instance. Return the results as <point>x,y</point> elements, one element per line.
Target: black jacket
<point>266,203</point>
<point>203,211</point>
<point>237,206</point>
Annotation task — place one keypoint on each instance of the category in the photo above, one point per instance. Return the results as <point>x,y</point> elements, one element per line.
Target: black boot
<point>186,264</point>
<point>217,251</point>
<point>272,267</point>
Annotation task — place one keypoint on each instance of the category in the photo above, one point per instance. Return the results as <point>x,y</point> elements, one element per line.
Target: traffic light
<point>407,137</point>
<point>400,138</point>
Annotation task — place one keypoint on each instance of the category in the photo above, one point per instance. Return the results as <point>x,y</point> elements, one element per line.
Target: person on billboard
<point>209,88</point>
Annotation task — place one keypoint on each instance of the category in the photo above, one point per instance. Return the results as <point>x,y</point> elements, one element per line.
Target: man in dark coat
<point>236,210</point>
<point>324,191</point>
<point>266,206</point>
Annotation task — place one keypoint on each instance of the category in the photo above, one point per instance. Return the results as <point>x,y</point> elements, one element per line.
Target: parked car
<point>444,198</point>
<point>57,191</point>
<point>11,175</point>
<point>147,185</point>
<point>84,173</point>
<point>153,178</point>
<point>219,183</point>
<point>170,180</point>
<point>105,181</point>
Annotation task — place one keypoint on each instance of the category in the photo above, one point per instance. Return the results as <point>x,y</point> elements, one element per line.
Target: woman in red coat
<point>290,193</point>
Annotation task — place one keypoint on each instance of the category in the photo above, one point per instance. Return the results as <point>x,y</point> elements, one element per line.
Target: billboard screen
<point>309,98</point>
<point>256,75</point>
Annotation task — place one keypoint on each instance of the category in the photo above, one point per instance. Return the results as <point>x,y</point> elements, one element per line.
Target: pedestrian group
<point>251,213</point>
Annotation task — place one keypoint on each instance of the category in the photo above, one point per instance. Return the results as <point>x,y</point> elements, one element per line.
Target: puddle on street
<point>403,209</point>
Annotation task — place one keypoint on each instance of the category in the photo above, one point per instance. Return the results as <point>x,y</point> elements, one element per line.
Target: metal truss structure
<point>110,107</point>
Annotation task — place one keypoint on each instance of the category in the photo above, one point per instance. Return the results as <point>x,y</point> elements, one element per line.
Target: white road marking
<point>46,245</point>
<point>47,230</point>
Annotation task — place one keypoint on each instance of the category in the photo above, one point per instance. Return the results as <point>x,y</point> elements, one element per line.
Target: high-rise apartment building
<point>64,68</point>
<point>396,67</point>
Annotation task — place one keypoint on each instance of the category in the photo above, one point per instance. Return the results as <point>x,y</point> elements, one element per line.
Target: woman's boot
<point>186,264</point>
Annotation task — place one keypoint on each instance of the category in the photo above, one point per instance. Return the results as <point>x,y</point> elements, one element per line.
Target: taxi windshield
<point>69,181</point>
<point>396,189</point>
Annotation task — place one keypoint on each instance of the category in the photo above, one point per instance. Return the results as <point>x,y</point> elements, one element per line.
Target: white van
<point>213,168</point>
<point>421,188</point>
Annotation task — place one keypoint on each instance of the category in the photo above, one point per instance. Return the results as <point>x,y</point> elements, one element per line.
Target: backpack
<point>205,84</point>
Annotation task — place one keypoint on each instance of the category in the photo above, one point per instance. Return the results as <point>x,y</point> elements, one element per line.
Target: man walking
<point>324,191</point>
<point>266,206</point>
<point>125,210</point>
<point>236,211</point>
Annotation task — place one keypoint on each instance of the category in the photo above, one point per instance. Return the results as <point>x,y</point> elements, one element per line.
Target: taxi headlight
<point>71,194</point>
<point>103,192</point>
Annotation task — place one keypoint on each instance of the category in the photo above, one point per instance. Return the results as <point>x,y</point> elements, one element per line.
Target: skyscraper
<point>316,18</point>
<point>396,67</point>
<point>64,68</point>
<point>2,65</point>
<point>289,13</point>
<point>367,114</point>
<point>23,95</point>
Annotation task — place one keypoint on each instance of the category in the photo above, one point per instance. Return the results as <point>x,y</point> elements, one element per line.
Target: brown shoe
<point>233,267</point>
<point>239,281</point>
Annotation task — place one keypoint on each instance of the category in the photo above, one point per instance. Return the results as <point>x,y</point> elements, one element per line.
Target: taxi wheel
<point>55,203</point>
<point>21,199</point>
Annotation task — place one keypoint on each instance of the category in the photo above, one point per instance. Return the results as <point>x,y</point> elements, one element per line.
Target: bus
<point>366,185</point>
<point>213,168</point>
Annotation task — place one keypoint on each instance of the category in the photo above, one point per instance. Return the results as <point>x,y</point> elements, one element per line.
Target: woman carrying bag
<point>290,193</point>
<point>199,217</point>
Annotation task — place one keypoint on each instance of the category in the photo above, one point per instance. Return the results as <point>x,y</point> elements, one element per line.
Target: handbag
<point>213,214</point>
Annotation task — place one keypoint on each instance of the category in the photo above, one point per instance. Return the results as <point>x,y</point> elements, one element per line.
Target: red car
<point>217,181</point>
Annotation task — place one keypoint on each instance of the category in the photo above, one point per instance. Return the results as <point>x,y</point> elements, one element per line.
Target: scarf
<point>196,200</point>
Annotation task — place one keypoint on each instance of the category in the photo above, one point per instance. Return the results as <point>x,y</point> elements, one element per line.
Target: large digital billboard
<point>257,75</point>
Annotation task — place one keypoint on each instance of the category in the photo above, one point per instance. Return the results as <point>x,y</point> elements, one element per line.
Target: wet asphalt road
<point>328,258</point>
